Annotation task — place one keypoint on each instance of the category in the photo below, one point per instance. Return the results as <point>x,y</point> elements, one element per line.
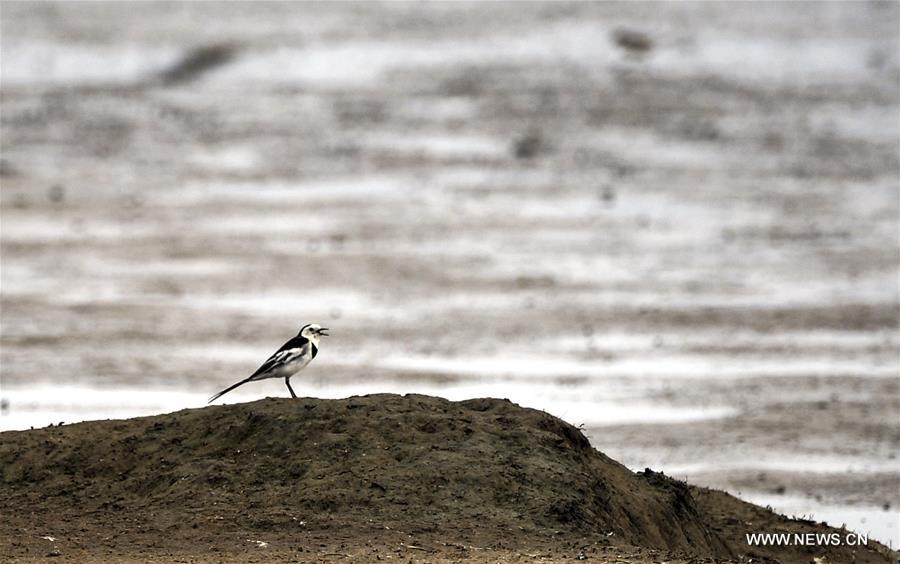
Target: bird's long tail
<point>228,389</point>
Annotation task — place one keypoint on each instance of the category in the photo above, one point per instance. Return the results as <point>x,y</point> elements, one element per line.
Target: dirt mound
<point>361,477</point>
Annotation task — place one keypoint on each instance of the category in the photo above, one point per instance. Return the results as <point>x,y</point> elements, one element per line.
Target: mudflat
<point>673,223</point>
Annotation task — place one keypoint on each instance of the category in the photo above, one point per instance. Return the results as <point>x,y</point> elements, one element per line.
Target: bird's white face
<point>313,332</point>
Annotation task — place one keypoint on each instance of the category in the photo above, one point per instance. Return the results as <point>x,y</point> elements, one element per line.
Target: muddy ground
<point>369,478</point>
<point>673,224</point>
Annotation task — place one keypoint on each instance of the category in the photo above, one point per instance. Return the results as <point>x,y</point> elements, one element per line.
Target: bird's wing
<point>295,343</point>
<point>282,356</point>
<point>298,346</point>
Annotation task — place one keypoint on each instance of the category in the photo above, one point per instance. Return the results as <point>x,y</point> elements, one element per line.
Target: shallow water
<point>692,251</point>
<point>877,523</point>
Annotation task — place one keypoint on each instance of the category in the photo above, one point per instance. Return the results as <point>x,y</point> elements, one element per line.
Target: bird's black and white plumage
<point>291,358</point>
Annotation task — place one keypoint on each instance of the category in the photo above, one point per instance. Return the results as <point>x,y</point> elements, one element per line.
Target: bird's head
<point>313,332</point>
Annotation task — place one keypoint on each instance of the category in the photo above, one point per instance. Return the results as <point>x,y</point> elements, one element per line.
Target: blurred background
<point>673,224</point>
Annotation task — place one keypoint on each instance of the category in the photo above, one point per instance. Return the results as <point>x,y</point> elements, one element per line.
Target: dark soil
<point>368,478</point>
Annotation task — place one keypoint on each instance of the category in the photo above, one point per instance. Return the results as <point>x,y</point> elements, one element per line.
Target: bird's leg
<point>288,382</point>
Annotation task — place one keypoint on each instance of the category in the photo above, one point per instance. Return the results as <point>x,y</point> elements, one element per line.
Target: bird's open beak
<point>324,331</point>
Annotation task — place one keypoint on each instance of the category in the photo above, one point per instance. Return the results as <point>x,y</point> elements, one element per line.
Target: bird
<point>291,358</point>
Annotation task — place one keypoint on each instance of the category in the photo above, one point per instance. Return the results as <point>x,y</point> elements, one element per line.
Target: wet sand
<point>691,248</point>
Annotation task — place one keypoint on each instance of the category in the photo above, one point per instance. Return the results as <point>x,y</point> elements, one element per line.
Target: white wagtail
<point>291,358</point>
